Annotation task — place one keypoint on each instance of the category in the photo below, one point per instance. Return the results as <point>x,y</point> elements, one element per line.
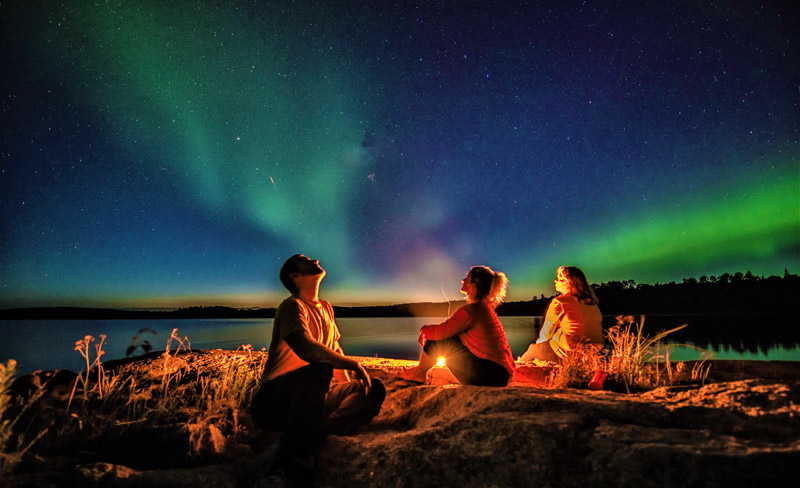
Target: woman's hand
<point>422,339</point>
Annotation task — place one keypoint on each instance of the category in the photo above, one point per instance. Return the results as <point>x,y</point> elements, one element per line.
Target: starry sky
<point>161,154</point>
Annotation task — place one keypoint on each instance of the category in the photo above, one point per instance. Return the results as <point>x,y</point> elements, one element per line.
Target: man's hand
<point>311,351</point>
<point>422,339</point>
<point>362,375</point>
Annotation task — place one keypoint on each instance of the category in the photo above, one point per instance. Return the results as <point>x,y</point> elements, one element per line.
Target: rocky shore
<point>740,428</point>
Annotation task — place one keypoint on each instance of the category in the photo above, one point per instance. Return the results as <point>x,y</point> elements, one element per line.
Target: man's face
<point>308,267</point>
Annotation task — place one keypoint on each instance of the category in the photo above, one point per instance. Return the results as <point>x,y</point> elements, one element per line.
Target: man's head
<point>297,267</point>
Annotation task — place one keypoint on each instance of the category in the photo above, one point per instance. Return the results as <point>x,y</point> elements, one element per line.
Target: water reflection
<point>48,344</point>
<point>732,336</point>
<point>716,336</point>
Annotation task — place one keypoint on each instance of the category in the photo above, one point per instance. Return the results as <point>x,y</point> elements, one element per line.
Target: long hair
<point>578,285</point>
<point>490,285</point>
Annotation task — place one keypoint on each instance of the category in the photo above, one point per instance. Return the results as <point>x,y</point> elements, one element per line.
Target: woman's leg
<point>468,368</point>
<point>465,366</point>
<point>419,373</point>
<point>480,372</point>
<point>541,351</point>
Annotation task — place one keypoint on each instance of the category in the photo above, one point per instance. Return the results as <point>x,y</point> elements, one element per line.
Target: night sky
<point>158,154</point>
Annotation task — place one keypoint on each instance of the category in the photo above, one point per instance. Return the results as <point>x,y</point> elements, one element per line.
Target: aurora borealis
<point>158,154</point>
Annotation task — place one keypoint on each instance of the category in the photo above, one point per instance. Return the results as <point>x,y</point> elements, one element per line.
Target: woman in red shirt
<point>472,341</point>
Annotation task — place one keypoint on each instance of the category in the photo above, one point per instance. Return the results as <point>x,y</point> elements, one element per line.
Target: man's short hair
<point>288,268</point>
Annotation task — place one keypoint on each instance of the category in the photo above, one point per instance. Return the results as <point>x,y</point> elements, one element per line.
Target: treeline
<point>83,313</point>
<point>425,309</point>
<point>727,293</point>
<point>537,306</point>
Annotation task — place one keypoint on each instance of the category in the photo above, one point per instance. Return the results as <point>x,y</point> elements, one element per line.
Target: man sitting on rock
<point>296,396</point>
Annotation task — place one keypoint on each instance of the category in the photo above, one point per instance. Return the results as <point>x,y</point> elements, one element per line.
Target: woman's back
<point>485,337</point>
<point>581,321</point>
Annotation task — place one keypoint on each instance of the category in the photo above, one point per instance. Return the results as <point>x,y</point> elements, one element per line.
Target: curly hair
<point>490,285</point>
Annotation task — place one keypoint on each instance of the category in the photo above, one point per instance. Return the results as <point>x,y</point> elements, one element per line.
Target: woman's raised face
<point>562,283</point>
<point>467,286</point>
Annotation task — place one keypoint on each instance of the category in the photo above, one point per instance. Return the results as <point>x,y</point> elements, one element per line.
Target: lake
<point>49,344</point>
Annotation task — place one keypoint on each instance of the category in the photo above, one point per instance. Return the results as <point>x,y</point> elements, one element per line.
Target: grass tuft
<point>200,397</point>
<point>631,359</point>
<point>14,442</point>
<point>635,359</point>
<point>577,367</point>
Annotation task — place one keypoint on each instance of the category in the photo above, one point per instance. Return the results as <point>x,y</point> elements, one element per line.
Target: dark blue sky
<point>176,153</point>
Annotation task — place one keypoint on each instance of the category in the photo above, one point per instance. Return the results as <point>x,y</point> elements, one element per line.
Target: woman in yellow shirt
<point>572,317</point>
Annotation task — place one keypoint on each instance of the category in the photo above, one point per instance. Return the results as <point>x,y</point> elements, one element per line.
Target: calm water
<point>49,344</point>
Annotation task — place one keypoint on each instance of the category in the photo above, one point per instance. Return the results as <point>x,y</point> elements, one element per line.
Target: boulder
<point>740,428</point>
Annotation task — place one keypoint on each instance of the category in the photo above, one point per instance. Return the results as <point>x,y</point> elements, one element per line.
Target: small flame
<point>440,361</point>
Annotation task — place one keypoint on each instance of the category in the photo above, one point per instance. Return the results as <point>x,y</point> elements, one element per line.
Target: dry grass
<point>7,454</point>
<point>633,353</point>
<point>204,400</point>
<point>14,445</point>
<point>631,359</point>
<point>577,368</point>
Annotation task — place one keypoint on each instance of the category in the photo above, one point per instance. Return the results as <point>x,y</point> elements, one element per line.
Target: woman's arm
<point>456,324</point>
<point>550,322</point>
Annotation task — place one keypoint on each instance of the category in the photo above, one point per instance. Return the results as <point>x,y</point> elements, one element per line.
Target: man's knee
<point>376,396</point>
<point>302,389</point>
<point>317,372</point>
<point>356,410</point>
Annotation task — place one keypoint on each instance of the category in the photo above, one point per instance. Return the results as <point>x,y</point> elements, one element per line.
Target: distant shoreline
<point>517,309</point>
<point>727,294</point>
<point>218,312</point>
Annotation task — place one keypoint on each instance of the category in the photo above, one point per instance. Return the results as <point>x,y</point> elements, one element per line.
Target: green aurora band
<point>717,232</point>
<point>267,137</point>
<point>271,134</point>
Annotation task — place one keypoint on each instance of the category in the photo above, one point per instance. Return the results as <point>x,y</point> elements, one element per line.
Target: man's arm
<point>341,375</point>
<point>311,351</point>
